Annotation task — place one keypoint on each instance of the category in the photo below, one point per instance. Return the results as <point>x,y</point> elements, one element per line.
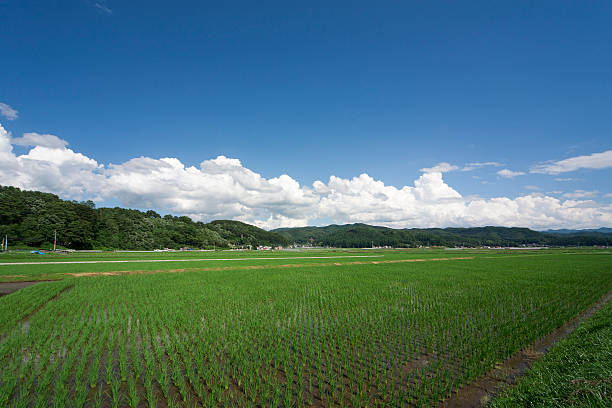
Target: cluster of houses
<point>269,248</point>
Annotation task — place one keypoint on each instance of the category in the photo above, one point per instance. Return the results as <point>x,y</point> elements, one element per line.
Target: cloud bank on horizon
<point>222,188</point>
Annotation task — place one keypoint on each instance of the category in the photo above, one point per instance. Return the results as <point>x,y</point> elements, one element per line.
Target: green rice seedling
<point>288,396</point>
<point>6,390</point>
<point>115,388</point>
<point>123,368</point>
<point>22,401</point>
<point>164,382</point>
<point>173,403</point>
<point>332,379</point>
<point>109,374</point>
<point>42,397</point>
<point>97,402</point>
<point>276,395</point>
<point>133,397</point>
<point>60,395</point>
<point>135,359</point>
<point>179,380</point>
<point>80,395</point>
<point>94,371</point>
<point>151,400</point>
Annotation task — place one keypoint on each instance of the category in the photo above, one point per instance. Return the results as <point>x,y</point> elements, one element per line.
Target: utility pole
<point>54,239</point>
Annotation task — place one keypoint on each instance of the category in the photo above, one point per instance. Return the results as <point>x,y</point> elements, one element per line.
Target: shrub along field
<point>331,332</point>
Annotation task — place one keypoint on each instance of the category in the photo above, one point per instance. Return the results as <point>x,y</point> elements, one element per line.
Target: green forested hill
<point>29,218</point>
<point>246,234</point>
<point>362,235</point>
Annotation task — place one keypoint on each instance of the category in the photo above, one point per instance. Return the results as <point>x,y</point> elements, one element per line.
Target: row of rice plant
<point>364,335</point>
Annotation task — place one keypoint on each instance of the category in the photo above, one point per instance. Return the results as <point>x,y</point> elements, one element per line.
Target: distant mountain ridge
<point>363,235</point>
<point>579,231</point>
<point>30,218</point>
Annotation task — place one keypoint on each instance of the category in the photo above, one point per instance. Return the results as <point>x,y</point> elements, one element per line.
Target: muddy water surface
<point>10,287</point>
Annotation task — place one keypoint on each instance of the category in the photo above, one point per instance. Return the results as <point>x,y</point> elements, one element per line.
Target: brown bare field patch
<point>251,267</point>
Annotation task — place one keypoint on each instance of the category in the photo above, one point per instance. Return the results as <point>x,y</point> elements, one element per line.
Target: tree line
<point>30,218</point>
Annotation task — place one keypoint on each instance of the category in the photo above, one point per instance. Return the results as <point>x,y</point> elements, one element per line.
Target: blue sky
<point>312,91</point>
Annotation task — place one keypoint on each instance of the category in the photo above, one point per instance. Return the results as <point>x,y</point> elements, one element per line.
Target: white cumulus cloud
<point>8,112</point>
<point>37,139</point>
<point>593,161</point>
<point>477,165</point>
<point>223,188</point>
<point>219,188</point>
<point>506,173</point>
<point>581,194</point>
<point>440,168</point>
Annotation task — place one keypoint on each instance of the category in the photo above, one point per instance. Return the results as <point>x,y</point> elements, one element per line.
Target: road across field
<point>189,260</point>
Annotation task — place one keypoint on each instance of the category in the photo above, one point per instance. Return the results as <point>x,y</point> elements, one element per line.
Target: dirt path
<point>232,268</point>
<point>479,392</point>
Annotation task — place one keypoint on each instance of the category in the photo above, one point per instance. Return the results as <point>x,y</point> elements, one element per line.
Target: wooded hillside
<point>363,235</point>
<point>29,218</point>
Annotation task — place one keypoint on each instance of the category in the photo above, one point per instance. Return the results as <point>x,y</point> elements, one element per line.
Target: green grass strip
<point>576,372</point>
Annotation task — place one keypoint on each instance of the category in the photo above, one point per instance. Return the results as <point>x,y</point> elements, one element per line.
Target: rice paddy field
<point>351,328</point>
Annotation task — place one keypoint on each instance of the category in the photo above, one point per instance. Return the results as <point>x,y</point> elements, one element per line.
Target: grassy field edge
<point>576,372</point>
